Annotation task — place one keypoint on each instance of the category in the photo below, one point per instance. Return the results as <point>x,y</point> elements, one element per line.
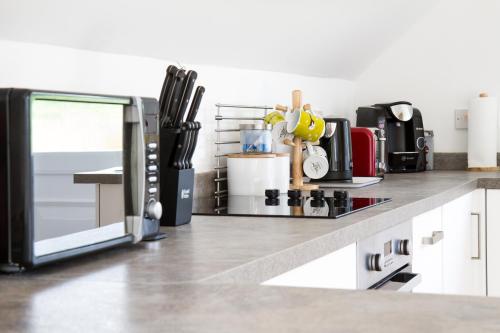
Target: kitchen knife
<point>187,90</point>
<point>173,97</point>
<point>181,146</point>
<point>183,161</point>
<point>193,138</point>
<point>167,84</point>
<point>195,104</point>
<point>192,146</point>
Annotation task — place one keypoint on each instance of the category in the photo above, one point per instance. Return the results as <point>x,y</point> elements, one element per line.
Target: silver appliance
<point>384,260</point>
<point>48,141</point>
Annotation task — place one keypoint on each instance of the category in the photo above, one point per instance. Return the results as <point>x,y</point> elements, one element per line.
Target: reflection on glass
<point>77,160</point>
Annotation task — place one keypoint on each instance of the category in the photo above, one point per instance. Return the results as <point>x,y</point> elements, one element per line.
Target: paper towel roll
<point>483,130</point>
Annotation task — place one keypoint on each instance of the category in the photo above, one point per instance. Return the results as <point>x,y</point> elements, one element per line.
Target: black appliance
<point>337,144</point>
<point>404,131</point>
<point>47,141</point>
<point>317,204</point>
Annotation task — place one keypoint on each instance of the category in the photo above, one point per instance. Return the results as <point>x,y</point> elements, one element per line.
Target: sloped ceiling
<point>327,38</point>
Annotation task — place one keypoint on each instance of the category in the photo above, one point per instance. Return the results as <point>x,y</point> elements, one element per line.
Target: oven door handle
<point>402,282</point>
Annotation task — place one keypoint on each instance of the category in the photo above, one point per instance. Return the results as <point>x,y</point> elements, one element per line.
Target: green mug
<point>305,125</point>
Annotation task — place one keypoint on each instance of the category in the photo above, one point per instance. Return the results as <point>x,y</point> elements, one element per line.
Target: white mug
<point>315,165</point>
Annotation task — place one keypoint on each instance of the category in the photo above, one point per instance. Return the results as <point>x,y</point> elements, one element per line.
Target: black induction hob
<point>326,207</point>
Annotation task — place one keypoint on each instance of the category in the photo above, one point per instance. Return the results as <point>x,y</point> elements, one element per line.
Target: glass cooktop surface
<point>329,207</point>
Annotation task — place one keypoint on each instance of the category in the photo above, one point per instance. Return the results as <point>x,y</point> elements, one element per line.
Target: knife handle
<point>167,82</point>
<point>184,162</point>
<point>180,147</point>
<point>173,97</point>
<point>187,90</point>
<point>195,104</point>
<point>192,146</point>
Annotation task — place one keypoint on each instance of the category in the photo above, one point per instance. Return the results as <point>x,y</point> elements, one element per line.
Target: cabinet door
<point>464,264</point>
<point>493,236</point>
<point>428,251</point>
<point>335,270</point>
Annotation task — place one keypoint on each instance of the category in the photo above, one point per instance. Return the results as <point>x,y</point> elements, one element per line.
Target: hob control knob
<point>404,247</point>
<point>154,209</point>
<point>375,262</point>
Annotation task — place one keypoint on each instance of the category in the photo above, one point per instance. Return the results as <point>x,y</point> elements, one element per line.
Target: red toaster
<point>364,152</point>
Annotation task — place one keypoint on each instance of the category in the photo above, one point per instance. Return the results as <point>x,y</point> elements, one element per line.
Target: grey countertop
<point>205,276</point>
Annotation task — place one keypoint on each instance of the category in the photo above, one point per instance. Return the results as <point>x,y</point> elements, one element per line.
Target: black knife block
<point>176,196</point>
<point>176,185</point>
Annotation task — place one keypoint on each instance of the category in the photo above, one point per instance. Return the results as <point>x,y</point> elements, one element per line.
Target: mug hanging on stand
<point>315,162</point>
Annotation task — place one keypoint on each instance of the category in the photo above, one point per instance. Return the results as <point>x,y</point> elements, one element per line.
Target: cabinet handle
<point>436,237</point>
<point>478,221</point>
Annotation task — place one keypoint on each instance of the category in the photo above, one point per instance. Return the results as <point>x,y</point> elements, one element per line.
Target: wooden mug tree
<point>297,172</point>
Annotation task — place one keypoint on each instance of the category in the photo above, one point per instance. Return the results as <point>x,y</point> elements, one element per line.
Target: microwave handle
<point>134,170</point>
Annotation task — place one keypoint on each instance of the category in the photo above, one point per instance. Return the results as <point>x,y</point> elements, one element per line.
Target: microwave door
<point>72,138</point>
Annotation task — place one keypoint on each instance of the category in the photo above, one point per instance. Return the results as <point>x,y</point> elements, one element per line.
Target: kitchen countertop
<point>205,276</point>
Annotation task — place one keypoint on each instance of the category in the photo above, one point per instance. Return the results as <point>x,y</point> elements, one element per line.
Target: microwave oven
<point>78,174</point>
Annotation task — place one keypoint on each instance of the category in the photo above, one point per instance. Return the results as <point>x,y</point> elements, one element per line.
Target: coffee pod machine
<point>404,132</point>
<point>337,144</point>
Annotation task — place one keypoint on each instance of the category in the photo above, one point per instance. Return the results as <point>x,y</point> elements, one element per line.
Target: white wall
<point>57,68</point>
<point>445,59</point>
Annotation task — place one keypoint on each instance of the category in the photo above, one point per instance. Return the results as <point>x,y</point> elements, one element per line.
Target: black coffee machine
<point>337,144</point>
<point>404,131</point>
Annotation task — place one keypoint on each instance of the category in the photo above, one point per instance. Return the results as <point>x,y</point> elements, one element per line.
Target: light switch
<point>461,118</point>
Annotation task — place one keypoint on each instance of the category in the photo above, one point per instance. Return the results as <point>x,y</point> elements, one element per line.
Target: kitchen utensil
<point>173,97</point>
<point>185,97</point>
<point>181,146</point>
<point>193,111</point>
<point>167,84</point>
<point>305,124</point>
<point>280,134</point>
<point>195,104</point>
<point>317,150</point>
<point>315,166</point>
<point>255,138</point>
<point>274,117</point>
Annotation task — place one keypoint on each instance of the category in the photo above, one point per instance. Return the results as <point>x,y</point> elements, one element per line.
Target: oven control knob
<point>404,247</point>
<point>375,262</point>
<point>154,209</point>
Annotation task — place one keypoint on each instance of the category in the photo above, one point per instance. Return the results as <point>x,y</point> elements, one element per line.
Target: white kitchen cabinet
<point>428,251</point>
<point>335,270</point>
<point>493,242</point>
<point>464,264</point>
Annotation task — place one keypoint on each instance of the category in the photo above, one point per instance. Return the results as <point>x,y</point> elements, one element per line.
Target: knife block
<point>176,185</point>
<point>176,196</point>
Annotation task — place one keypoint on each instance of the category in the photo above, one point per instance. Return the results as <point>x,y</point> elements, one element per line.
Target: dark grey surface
<point>453,161</point>
<point>204,276</point>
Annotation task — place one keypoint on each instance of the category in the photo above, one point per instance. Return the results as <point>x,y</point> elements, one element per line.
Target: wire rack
<point>226,142</point>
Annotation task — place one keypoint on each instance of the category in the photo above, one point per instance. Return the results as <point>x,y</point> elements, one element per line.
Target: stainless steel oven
<point>47,139</point>
<point>384,260</point>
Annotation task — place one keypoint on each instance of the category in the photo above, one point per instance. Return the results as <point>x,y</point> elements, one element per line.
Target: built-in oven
<point>384,260</point>
<point>51,145</point>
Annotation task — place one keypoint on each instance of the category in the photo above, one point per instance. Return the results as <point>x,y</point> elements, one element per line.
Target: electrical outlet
<point>461,118</point>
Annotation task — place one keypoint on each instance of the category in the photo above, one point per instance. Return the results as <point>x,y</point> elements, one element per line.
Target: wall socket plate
<point>461,118</point>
